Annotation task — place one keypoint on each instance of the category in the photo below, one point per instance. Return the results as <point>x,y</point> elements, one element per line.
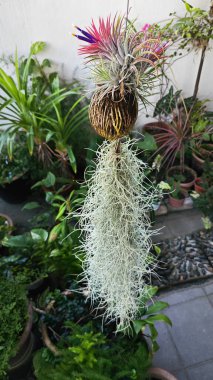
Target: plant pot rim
<point>185,185</point>
<point>28,327</point>
<point>8,219</point>
<point>161,374</point>
<point>18,176</point>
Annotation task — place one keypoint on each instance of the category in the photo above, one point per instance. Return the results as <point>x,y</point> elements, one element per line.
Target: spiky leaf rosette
<point>124,64</point>
<point>113,116</point>
<point>117,232</point>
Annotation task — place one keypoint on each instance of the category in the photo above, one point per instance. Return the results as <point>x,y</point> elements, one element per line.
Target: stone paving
<point>186,349</point>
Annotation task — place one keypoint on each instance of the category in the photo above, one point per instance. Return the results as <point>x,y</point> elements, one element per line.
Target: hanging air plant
<point>115,216</point>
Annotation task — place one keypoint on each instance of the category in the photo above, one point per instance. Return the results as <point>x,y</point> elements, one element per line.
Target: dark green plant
<point>205,200</point>
<point>90,355</point>
<point>5,228</point>
<point>33,103</point>
<point>176,191</point>
<point>16,166</point>
<point>13,317</point>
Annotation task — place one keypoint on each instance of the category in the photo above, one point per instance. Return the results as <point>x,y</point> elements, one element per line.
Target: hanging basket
<point>113,115</point>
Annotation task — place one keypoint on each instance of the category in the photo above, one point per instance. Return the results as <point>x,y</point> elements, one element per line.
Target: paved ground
<point>178,223</point>
<point>186,349</point>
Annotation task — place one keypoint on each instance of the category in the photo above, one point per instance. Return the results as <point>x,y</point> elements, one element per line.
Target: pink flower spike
<point>145,27</point>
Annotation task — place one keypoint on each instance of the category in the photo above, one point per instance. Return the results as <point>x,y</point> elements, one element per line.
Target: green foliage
<point>5,229</point>
<point>17,165</point>
<point>148,143</point>
<point>194,30</point>
<point>176,191</point>
<point>89,355</point>
<point>13,316</point>
<point>46,112</point>
<point>205,200</point>
<point>167,103</point>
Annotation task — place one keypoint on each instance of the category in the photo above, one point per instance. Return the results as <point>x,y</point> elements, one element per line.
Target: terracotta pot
<point>184,185</point>
<point>198,185</point>
<point>161,374</point>
<point>176,203</point>
<point>197,161</point>
<point>8,219</point>
<point>21,362</point>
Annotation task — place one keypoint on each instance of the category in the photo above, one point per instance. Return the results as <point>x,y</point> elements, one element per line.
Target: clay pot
<point>176,203</point>
<point>161,374</point>
<point>8,219</point>
<point>186,169</point>
<point>198,185</point>
<point>20,364</point>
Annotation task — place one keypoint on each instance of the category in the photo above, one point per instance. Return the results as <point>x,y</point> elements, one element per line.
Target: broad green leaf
<point>39,234</point>
<point>148,143</point>
<point>156,307</point>
<point>31,206</point>
<point>160,318</point>
<point>137,324</point>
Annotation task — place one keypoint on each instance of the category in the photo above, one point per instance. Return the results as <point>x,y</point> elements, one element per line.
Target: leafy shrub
<point>13,303</point>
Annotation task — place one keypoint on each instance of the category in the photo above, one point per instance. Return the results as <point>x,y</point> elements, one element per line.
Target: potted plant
<point>16,318</point>
<point>199,185</point>
<point>185,176</point>
<point>59,334</point>
<point>177,194</point>
<point>6,226</point>
<point>14,171</point>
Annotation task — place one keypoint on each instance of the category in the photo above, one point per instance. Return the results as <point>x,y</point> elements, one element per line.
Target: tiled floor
<point>186,349</point>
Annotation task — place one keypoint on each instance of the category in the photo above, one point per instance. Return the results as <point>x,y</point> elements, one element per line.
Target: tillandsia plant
<point>114,217</point>
<point>124,64</point>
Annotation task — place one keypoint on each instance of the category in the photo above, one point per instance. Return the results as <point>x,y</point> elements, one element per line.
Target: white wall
<point>25,21</point>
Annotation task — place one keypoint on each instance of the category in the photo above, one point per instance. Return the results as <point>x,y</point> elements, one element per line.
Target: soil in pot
<point>186,174</point>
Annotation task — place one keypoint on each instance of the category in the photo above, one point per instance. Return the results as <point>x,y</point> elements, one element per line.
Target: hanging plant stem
<point>117,232</point>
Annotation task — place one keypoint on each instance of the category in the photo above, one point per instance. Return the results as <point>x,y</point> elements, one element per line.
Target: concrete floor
<point>186,349</point>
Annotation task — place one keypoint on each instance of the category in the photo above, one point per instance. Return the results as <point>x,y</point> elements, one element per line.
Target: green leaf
<point>49,181</point>
<point>156,307</point>
<point>72,159</point>
<point>138,324</point>
<point>160,318</point>
<point>157,249</point>
<point>148,143</point>
<point>30,140</point>
<point>39,234</point>
<point>54,232</point>
<point>31,206</point>
<point>61,212</point>
<point>37,47</point>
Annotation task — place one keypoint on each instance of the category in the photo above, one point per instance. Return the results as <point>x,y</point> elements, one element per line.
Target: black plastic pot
<point>16,191</point>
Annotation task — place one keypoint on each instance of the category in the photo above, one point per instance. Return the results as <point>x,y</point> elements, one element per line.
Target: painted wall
<point>25,21</point>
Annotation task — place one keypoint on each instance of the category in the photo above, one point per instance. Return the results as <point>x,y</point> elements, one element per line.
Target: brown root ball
<point>112,115</point>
